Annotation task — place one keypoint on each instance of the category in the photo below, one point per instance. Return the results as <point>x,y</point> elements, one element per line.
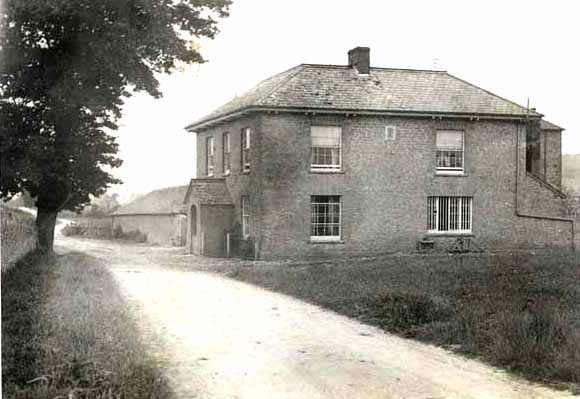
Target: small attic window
<point>390,133</point>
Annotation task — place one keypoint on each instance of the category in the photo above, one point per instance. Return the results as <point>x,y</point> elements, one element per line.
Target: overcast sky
<point>517,49</point>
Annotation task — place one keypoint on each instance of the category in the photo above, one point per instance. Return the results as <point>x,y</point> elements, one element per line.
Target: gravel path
<point>220,338</point>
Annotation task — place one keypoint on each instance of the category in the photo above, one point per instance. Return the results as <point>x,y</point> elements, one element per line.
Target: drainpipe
<point>537,217</point>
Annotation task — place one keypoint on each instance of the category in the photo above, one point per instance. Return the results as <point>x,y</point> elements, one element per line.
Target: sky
<point>519,50</point>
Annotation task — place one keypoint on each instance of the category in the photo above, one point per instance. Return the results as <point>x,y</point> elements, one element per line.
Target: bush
<point>241,247</point>
<point>401,311</point>
<point>73,229</point>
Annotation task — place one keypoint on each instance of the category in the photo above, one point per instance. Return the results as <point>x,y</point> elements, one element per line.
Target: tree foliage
<point>66,67</point>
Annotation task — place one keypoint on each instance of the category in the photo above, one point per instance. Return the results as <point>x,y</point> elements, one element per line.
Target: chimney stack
<point>359,58</point>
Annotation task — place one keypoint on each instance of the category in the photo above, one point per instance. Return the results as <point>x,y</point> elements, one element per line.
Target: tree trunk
<point>45,224</point>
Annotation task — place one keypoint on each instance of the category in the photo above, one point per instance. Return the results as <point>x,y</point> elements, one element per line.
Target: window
<point>209,156</point>
<point>326,148</point>
<point>245,216</point>
<point>325,218</point>
<point>226,152</point>
<point>533,149</point>
<point>390,133</point>
<point>246,149</point>
<point>449,146</point>
<point>449,214</point>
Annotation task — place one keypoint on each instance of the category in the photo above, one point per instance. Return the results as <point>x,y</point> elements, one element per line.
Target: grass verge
<point>518,311</point>
<point>67,333</point>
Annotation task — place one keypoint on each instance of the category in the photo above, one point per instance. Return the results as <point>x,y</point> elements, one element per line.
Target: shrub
<point>241,247</point>
<point>401,311</point>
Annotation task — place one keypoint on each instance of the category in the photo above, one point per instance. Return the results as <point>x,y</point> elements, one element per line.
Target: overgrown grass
<point>519,311</point>
<point>67,333</point>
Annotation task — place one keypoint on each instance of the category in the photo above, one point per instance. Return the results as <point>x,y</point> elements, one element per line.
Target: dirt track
<point>220,338</point>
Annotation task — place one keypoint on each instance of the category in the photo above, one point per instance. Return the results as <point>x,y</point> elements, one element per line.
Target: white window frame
<point>324,167</point>
<point>448,170</point>
<point>210,155</point>
<point>246,216</point>
<point>439,204</point>
<point>227,150</point>
<point>392,136</point>
<point>246,145</point>
<point>327,238</point>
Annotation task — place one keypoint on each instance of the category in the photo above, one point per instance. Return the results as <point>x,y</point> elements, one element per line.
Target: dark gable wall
<point>238,183</point>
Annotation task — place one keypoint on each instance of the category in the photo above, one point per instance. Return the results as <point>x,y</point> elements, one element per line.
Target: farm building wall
<point>161,229</point>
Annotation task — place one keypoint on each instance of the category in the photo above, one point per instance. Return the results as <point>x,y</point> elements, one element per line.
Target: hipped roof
<point>342,88</point>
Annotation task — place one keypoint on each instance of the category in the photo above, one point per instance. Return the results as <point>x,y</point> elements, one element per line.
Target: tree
<point>102,206</point>
<point>65,68</point>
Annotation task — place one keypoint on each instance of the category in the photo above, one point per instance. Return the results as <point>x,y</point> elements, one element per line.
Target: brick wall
<point>384,185</point>
<point>553,154</point>
<point>238,183</point>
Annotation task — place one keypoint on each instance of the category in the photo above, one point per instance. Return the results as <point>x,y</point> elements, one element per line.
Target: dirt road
<point>219,338</point>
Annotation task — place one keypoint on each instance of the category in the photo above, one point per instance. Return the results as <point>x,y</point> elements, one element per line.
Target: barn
<point>159,215</point>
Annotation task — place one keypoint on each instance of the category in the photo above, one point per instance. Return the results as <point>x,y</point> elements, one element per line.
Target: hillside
<point>571,173</point>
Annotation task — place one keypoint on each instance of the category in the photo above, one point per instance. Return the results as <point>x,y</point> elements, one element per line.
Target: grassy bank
<point>67,333</point>
<point>521,312</point>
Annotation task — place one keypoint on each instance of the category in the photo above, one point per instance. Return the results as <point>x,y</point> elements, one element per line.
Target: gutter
<point>537,217</point>
<point>354,112</point>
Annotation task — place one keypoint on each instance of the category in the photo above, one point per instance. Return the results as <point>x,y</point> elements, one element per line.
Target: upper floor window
<point>450,151</point>
<point>209,156</point>
<point>449,214</point>
<point>246,149</point>
<point>226,153</point>
<point>325,218</point>
<point>533,149</point>
<point>246,214</point>
<point>326,143</point>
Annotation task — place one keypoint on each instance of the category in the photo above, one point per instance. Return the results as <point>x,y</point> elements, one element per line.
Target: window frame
<point>210,156</point>
<point>324,168</point>
<point>393,129</point>
<point>246,145</point>
<point>313,224</point>
<point>226,150</point>
<point>246,214</point>
<point>447,170</point>
<point>435,206</point>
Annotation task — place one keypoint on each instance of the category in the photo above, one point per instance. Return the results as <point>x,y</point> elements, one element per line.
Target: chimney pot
<point>359,58</point>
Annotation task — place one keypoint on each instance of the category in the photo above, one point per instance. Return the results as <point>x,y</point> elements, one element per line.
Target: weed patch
<point>67,332</point>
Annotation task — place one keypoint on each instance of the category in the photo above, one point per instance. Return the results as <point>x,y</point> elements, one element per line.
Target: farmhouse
<point>329,160</point>
<point>158,214</point>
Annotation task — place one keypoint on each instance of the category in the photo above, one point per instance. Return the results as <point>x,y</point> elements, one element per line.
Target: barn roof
<point>334,87</point>
<point>163,201</point>
<point>208,192</point>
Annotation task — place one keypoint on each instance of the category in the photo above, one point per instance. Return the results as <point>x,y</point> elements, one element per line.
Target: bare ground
<point>220,338</point>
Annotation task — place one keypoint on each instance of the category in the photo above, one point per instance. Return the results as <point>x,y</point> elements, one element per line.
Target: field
<point>517,311</point>
<point>67,333</point>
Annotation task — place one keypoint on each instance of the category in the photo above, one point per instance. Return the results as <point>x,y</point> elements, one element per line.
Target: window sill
<point>338,241</point>
<point>326,172</point>
<point>448,234</point>
<point>245,172</point>
<point>226,174</point>
<point>450,173</point>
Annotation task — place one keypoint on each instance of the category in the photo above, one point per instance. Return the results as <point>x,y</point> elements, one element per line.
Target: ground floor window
<point>325,218</point>
<point>449,214</point>
<point>245,216</point>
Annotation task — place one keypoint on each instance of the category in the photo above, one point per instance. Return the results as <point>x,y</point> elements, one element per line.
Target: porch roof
<point>208,192</point>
